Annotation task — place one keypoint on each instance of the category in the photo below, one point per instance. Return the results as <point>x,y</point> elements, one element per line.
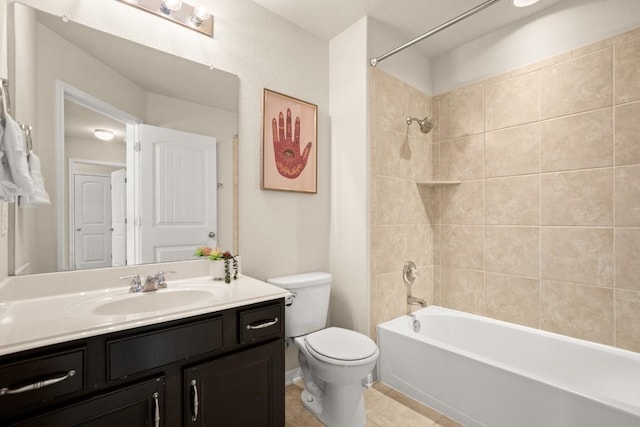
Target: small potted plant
<point>223,265</point>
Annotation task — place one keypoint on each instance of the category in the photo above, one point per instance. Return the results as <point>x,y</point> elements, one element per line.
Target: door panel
<point>178,194</point>
<point>92,221</point>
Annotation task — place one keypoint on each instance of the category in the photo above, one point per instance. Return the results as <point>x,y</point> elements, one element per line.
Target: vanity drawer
<point>261,323</point>
<point>42,379</point>
<point>142,352</point>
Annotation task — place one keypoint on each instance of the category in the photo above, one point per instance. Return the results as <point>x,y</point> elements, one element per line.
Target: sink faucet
<point>136,282</point>
<point>153,282</point>
<point>156,281</point>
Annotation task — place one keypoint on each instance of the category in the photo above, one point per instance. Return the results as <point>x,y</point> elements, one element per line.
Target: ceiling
<point>328,18</point>
<point>80,122</point>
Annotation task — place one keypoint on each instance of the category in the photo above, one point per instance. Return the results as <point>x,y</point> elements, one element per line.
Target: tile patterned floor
<point>385,406</point>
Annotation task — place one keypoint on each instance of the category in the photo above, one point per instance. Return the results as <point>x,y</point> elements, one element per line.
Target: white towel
<point>39,196</point>
<point>8,188</point>
<point>13,146</point>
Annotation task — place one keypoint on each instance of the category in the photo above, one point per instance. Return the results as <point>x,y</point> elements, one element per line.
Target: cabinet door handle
<point>156,413</point>
<point>194,389</point>
<point>263,325</point>
<point>37,385</point>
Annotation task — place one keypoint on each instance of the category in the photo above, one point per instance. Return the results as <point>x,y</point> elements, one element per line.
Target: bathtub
<point>484,372</point>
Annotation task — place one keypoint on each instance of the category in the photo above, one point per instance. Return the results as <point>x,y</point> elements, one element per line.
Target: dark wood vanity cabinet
<point>219,369</point>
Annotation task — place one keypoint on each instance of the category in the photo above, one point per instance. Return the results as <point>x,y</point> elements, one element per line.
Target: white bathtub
<point>484,372</point>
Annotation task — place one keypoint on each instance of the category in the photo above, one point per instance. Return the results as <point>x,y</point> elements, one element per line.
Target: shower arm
<point>374,61</point>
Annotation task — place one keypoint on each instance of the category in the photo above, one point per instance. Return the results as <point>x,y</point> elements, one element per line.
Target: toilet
<point>334,361</point>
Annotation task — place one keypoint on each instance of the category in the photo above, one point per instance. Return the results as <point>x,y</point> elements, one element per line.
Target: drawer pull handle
<point>263,325</point>
<point>194,388</point>
<point>156,413</point>
<point>37,385</point>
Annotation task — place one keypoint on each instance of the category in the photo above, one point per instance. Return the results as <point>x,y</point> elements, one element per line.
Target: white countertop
<point>27,323</point>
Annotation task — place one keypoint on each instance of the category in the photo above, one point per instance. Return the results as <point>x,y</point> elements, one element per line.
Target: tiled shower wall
<point>544,229</point>
<point>400,227</point>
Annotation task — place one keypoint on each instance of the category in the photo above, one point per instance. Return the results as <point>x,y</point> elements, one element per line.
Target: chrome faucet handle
<point>156,281</point>
<point>136,282</point>
<point>160,278</point>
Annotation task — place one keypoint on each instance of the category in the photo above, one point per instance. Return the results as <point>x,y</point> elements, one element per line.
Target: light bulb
<point>103,134</point>
<point>524,3</point>
<point>168,6</point>
<point>200,14</point>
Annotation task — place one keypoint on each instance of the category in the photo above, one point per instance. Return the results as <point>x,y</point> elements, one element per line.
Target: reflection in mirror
<point>87,80</point>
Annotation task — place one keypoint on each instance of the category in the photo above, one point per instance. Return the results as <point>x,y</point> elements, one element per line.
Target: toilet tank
<point>308,311</point>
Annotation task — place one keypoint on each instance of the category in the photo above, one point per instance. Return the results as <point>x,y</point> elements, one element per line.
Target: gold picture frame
<point>289,143</point>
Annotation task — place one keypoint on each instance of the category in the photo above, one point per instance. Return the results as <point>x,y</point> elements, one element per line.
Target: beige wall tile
<point>627,257</point>
<point>435,115</point>
<point>417,245</point>
<point>413,210</point>
<point>512,102</point>
<point>577,142</point>
<point>391,297</point>
<point>389,198</point>
<point>578,85</point>
<point>462,159</point>
<point>581,255</point>
<point>513,250</point>
<point>578,198</point>
<point>513,201</point>
<point>463,203</point>
<point>462,246</point>
<point>388,248</point>
<point>513,151</point>
<point>462,113</point>
<point>463,290</point>
<point>627,71</point>
<point>579,311</point>
<point>627,196</point>
<point>627,136</point>
<point>393,100</point>
<point>423,286</point>
<point>437,285</point>
<point>513,299</point>
<point>436,242</point>
<point>628,320</point>
<point>395,155</point>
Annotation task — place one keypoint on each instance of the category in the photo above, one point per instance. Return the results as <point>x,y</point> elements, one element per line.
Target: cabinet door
<point>138,405</point>
<point>244,389</point>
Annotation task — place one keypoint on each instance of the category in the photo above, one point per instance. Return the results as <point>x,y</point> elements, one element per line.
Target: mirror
<point>86,80</point>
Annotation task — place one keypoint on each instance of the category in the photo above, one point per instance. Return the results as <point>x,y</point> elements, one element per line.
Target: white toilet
<point>334,361</point>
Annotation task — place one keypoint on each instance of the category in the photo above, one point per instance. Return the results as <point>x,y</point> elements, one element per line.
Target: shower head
<point>425,124</point>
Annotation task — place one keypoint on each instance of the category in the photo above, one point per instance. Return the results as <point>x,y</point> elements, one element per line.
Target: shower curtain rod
<point>374,61</point>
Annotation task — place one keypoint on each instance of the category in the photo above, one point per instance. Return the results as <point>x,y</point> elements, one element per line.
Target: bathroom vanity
<point>103,360</point>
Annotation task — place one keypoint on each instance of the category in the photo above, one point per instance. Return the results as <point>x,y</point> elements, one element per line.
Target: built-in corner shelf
<point>434,183</point>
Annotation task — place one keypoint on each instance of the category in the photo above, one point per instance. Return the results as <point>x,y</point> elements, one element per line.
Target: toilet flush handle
<point>288,300</point>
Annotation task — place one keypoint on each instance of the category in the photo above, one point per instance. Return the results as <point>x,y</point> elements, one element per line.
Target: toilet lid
<point>341,344</point>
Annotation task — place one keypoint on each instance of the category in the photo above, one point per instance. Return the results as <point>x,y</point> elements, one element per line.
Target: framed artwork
<point>289,143</point>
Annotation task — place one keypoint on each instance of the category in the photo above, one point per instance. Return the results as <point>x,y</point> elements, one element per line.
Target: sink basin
<point>171,299</point>
<point>164,299</point>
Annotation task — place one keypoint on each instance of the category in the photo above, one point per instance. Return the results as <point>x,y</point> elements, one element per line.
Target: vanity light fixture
<point>168,6</point>
<point>103,134</point>
<point>196,17</point>
<point>524,3</point>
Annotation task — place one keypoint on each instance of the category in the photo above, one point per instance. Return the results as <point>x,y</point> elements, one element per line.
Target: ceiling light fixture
<point>103,134</point>
<point>524,3</point>
<point>197,18</point>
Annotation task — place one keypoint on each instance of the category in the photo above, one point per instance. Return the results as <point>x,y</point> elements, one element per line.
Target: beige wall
<point>544,229</point>
<point>400,226</point>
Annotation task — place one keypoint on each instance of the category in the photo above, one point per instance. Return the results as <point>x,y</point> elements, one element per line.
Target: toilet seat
<point>340,346</point>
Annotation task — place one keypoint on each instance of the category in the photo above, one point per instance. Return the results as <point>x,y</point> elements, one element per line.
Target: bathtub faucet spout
<point>411,300</point>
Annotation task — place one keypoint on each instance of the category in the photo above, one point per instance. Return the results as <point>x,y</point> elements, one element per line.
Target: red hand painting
<point>289,161</point>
